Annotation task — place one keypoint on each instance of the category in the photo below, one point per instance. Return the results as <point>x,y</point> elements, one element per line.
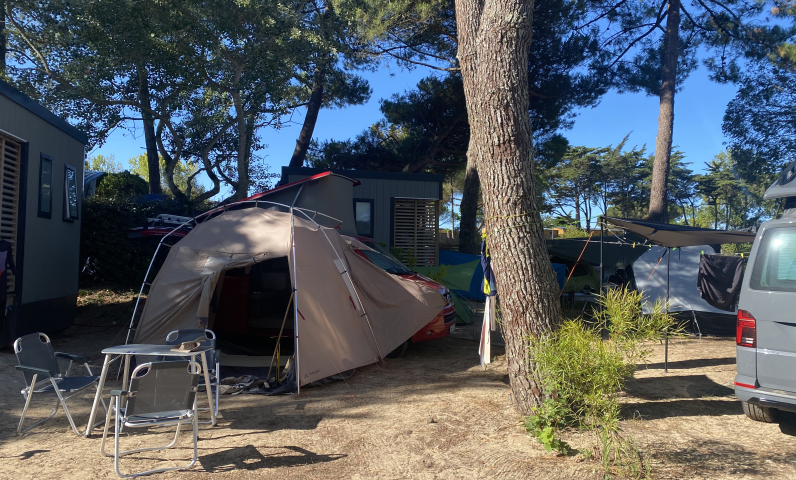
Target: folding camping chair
<point>205,338</point>
<point>39,365</point>
<point>160,394</point>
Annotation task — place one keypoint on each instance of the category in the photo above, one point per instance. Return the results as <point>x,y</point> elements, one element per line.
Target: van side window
<point>775,265</point>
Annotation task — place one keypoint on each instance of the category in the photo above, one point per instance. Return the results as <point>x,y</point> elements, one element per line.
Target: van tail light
<point>745,330</point>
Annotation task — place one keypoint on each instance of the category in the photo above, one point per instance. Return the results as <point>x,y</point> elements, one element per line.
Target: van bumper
<point>767,398</point>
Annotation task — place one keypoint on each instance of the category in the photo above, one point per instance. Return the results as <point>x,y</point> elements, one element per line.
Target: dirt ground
<point>430,414</point>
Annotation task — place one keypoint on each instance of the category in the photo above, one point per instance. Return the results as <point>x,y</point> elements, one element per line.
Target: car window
<point>385,263</point>
<point>775,265</point>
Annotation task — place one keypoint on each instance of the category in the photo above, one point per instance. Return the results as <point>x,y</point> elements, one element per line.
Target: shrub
<point>582,373</point>
<point>106,254</point>
<point>121,185</point>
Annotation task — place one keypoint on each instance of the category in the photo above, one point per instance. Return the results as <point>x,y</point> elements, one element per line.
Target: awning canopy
<point>667,235</point>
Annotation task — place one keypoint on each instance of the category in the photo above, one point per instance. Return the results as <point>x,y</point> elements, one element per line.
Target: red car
<point>442,325</point>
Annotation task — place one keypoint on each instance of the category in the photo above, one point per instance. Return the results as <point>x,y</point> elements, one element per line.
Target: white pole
<point>295,291</point>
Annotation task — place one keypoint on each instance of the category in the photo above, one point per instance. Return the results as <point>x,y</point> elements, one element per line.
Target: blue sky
<point>699,108</point>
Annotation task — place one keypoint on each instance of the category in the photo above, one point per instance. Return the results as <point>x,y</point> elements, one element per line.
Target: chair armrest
<point>34,371</point>
<point>70,356</point>
<point>119,393</point>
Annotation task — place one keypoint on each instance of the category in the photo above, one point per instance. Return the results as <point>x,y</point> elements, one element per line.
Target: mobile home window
<point>363,216</point>
<point>70,193</point>
<point>45,187</point>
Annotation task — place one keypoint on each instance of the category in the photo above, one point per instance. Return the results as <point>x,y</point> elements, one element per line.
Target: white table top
<point>144,349</point>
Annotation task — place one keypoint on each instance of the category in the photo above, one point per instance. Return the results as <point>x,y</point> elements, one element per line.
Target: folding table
<point>128,351</point>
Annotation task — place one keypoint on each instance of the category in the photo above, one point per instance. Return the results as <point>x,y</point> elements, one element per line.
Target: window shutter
<point>416,231</point>
<point>11,154</point>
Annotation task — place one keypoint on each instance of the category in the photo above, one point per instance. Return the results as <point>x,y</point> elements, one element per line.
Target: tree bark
<point>313,107</point>
<point>242,185</point>
<point>152,158</point>
<point>663,143</point>
<point>3,39</point>
<point>468,210</point>
<point>497,39</point>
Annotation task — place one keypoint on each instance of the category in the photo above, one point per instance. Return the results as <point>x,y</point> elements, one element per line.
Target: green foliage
<point>122,186</point>
<point>545,423</point>
<point>183,174</point>
<point>101,163</point>
<point>573,231</point>
<point>582,374</point>
<point>106,254</point>
<point>405,255</point>
<point>440,274</point>
<point>424,130</point>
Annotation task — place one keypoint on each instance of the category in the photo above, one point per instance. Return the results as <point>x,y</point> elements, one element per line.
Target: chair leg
<point>105,431</point>
<point>63,403</point>
<point>28,398</point>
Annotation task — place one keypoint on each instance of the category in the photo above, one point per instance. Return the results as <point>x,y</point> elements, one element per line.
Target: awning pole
<point>666,348</point>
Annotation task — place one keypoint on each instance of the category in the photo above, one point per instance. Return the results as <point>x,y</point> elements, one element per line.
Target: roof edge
<point>40,111</point>
<point>421,177</point>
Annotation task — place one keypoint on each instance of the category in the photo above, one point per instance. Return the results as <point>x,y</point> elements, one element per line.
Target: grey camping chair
<point>39,365</point>
<point>206,338</point>
<point>160,394</point>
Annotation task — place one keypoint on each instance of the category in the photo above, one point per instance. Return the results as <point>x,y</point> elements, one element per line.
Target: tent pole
<point>666,348</point>
<point>602,274</point>
<point>295,298</point>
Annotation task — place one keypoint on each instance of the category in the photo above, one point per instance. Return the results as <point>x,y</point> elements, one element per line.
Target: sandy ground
<point>431,414</point>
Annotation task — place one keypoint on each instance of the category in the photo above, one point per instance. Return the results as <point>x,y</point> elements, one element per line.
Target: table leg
<point>126,371</point>
<point>97,397</point>
<point>209,390</point>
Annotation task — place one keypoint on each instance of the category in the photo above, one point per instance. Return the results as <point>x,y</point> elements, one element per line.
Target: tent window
<point>363,216</point>
<point>70,193</point>
<point>775,265</point>
<point>45,187</point>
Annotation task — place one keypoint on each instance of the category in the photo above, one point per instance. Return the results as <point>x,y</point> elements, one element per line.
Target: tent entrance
<point>248,310</point>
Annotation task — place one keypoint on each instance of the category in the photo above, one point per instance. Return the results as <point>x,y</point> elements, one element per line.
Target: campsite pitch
<point>431,414</point>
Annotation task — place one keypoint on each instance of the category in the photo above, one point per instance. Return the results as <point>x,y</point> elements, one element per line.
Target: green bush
<point>106,254</point>
<point>582,373</point>
<point>121,185</point>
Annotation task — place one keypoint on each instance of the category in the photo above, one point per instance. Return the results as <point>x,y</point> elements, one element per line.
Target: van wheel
<point>760,414</point>
<point>400,350</point>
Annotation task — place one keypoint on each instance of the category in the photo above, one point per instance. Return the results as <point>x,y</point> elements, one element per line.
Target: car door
<point>771,300</point>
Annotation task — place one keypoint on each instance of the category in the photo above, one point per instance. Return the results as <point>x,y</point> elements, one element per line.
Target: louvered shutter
<point>416,230</point>
<point>11,153</point>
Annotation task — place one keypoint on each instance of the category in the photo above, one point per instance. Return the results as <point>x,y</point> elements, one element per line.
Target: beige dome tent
<point>347,312</point>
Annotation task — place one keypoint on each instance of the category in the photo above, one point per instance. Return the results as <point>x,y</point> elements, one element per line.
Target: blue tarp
<point>561,274</point>
<point>476,273</point>
<point>475,292</point>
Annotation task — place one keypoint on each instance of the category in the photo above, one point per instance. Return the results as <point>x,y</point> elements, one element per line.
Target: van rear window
<point>775,265</point>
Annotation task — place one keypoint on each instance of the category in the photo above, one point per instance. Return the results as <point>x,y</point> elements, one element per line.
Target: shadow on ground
<point>677,386</point>
<point>688,364</point>
<point>681,408</point>
<point>250,458</point>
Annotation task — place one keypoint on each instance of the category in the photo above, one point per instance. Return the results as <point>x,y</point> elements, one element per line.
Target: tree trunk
<point>152,158</point>
<point>468,210</point>
<point>663,143</point>
<point>313,107</point>
<point>3,39</point>
<point>497,39</point>
<point>242,185</point>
